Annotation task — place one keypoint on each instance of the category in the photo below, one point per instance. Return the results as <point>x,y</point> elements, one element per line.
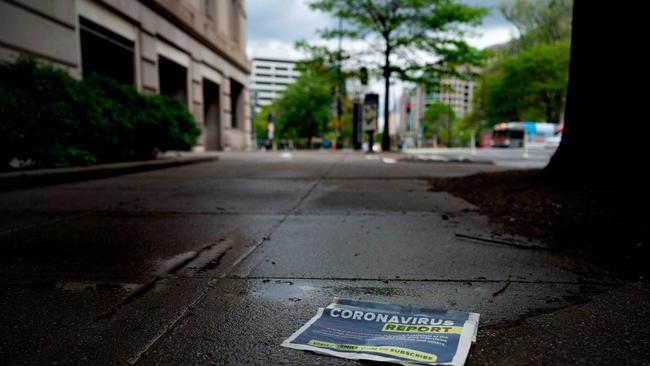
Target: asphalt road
<point>535,157</point>
<point>219,262</point>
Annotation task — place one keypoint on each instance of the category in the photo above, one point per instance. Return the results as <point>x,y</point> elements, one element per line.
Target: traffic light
<point>363,75</point>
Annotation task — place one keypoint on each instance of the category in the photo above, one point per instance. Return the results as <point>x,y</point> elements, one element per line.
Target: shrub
<point>52,120</point>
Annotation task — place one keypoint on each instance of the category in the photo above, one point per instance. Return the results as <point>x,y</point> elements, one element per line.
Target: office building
<point>270,75</point>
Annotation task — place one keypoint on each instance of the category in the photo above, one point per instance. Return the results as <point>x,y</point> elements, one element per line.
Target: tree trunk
<point>606,125</point>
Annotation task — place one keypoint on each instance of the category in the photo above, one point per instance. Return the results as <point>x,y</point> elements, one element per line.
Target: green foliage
<point>538,21</point>
<point>431,26</point>
<point>303,111</point>
<point>530,86</point>
<point>321,60</point>
<point>436,117</point>
<point>52,120</point>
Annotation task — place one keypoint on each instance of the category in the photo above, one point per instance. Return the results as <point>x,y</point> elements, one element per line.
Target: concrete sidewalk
<point>217,263</point>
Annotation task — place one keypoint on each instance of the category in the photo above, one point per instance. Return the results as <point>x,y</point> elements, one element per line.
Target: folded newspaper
<point>364,330</point>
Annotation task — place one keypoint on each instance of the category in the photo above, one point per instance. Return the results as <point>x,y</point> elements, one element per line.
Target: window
<point>263,75</point>
<point>173,79</point>
<point>209,9</point>
<point>262,67</point>
<point>281,68</point>
<point>236,103</point>
<point>106,53</point>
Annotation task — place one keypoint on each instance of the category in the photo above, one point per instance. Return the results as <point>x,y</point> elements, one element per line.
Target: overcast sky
<point>279,23</point>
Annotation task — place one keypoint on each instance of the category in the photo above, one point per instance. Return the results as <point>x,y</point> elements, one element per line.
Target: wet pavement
<point>219,262</point>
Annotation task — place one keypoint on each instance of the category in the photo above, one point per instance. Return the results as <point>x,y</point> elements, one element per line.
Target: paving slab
<point>613,328</point>
<point>397,246</point>
<point>374,196</point>
<point>124,245</point>
<point>243,322</point>
<point>78,322</point>
<point>243,196</point>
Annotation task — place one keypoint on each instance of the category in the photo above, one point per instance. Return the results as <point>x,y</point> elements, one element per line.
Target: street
<point>516,158</point>
<point>219,262</point>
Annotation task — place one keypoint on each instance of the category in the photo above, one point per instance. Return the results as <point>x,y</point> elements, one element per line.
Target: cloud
<point>493,35</point>
<point>286,21</point>
<point>283,21</point>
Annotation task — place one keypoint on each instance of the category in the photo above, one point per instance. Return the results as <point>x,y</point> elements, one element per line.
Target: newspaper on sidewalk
<point>386,332</point>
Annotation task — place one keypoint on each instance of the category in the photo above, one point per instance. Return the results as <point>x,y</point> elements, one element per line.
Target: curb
<point>42,177</point>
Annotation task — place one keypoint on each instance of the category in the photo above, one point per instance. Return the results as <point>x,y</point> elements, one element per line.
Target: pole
<point>339,91</point>
<point>448,116</point>
<point>472,142</point>
<point>526,156</point>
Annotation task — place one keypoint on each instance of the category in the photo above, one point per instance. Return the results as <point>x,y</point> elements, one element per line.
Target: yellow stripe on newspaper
<point>387,350</point>
<point>390,327</point>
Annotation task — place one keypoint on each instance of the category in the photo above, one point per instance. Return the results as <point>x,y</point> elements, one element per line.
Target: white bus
<point>512,134</point>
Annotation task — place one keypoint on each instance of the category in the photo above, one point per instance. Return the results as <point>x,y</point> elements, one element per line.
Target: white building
<point>456,93</point>
<point>270,75</point>
<point>411,111</point>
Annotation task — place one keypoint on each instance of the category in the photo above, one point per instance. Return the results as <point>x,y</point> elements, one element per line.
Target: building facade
<point>193,50</point>
<point>270,77</point>
<point>411,111</point>
<point>456,93</point>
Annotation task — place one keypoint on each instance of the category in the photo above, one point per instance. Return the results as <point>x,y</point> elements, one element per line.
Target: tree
<point>438,115</point>
<point>530,86</point>
<point>606,124</point>
<point>406,29</point>
<point>538,21</point>
<point>303,111</point>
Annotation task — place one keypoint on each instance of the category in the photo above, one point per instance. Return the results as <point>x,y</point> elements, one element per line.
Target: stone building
<point>193,50</point>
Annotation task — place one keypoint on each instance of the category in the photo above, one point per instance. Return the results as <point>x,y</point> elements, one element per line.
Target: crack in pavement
<point>154,340</point>
<point>291,212</point>
<point>507,243</point>
<point>432,280</point>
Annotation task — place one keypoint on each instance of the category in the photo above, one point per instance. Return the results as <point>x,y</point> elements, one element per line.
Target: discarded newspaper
<point>385,332</point>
